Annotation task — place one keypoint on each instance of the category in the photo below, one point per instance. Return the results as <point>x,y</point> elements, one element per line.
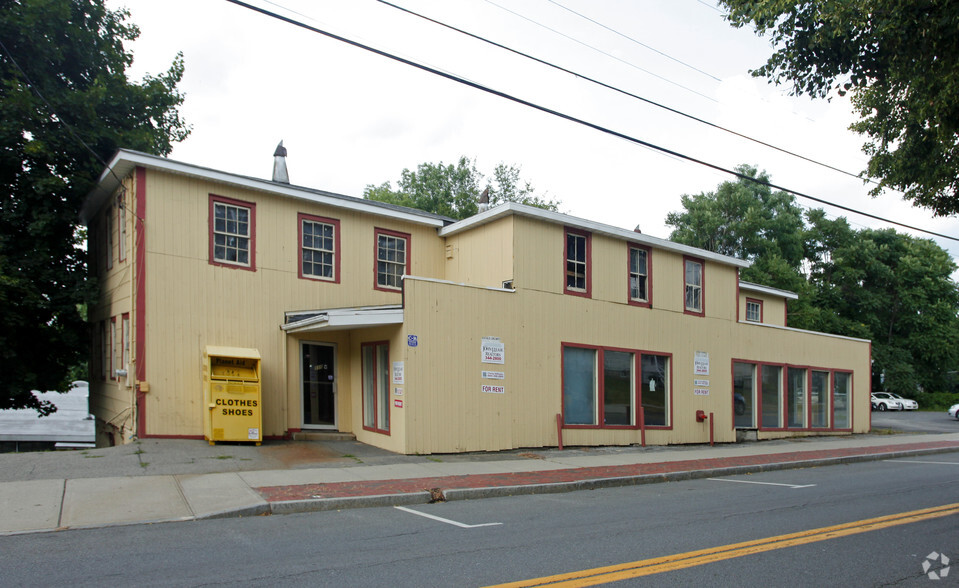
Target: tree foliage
<point>899,60</point>
<point>66,105</point>
<point>454,190</point>
<point>891,288</point>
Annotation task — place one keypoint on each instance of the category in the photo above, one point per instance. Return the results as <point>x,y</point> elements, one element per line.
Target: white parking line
<point>763,483</point>
<point>442,520</point>
<point>916,461</point>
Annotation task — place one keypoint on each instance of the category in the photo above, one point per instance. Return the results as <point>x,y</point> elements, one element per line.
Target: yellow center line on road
<point>690,559</point>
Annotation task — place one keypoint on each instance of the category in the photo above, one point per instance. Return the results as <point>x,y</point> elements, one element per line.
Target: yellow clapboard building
<point>516,327</point>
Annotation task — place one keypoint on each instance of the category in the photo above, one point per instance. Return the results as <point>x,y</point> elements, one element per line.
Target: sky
<point>350,118</point>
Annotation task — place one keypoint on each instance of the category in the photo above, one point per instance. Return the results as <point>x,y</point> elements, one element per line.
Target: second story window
<point>232,236</point>
<point>109,233</point>
<point>577,263</point>
<point>638,275</point>
<point>319,248</point>
<point>693,277</point>
<point>754,310</point>
<point>392,259</point>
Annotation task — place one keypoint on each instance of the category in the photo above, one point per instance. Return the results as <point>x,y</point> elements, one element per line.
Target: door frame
<point>336,377</point>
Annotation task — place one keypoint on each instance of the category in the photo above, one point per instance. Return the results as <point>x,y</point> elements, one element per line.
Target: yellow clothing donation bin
<point>231,394</point>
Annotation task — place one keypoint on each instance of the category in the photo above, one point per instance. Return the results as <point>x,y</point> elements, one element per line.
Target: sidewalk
<point>179,480</point>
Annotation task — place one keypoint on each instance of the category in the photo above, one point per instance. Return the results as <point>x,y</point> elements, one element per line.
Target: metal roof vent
<point>279,165</point>
<point>484,201</point>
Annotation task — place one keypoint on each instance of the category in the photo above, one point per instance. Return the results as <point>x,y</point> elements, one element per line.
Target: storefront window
<point>843,383</point>
<point>744,378</point>
<point>819,400</point>
<point>655,376</point>
<point>796,398</point>
<point>618,388</point>
<point>579,386</point>
<point>772,378</point>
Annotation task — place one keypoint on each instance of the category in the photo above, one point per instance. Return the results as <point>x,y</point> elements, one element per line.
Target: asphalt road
<point>484,542</point>
<point>915,421</point>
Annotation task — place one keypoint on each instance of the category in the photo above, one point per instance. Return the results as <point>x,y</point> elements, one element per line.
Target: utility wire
<point>610,55</point>
<point>640,43</point>
<point>624,92</point>
<point>573,119</point>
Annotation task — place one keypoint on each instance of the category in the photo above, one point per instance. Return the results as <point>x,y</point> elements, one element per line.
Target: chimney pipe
<point>280,174</point>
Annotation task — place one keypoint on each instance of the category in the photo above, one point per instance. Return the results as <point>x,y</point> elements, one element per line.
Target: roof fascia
<point>125,161</point>
<point>768,290</point>
<point>587,225</point>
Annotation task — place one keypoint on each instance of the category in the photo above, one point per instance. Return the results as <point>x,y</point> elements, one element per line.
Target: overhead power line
<point>623,92</point>
<point>638,42</point>
<point>573,119</point>
<point>607,54</point>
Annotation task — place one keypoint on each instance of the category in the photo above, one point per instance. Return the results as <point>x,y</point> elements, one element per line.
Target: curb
<point>451,494</point>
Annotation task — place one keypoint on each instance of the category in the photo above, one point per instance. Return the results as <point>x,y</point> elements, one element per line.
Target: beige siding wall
<point>448,412</point>
<point>539,248</point>
<point>191,303</point>
<point>774,307</point>
<point>395,337</point>
<point>111,398</point>
<point>482,256</point>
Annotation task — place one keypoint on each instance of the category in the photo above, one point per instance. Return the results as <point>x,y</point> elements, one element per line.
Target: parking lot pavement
<point>914,421</point>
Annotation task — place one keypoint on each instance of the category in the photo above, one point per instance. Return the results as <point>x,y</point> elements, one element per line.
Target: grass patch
<point>353,457</point>
<point>876,431</point>
<point>144,464</point>
<point>436,459</point>
<point>222,457</point>
<point>91,456</point>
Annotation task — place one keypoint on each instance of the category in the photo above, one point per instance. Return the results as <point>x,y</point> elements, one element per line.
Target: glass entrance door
<point>319,385</point>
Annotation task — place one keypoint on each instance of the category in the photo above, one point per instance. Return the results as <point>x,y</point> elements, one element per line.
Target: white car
<point>883,401</point>
<point>906,403</point>
<point>954,411</point>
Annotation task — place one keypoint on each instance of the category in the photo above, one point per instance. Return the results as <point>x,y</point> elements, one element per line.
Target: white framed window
<point>577,252</point>
<point>125,339</point>
<point>639,283</point>
<point>109,238</point>
<point>122,221</point>
<point>392,259</point>
<point>754,310</point>
<point>232,232</point>
<point>319,248</point>
<point>693,278</point>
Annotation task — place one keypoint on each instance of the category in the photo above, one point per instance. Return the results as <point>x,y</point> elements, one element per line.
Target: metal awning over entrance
<point>340,319</point>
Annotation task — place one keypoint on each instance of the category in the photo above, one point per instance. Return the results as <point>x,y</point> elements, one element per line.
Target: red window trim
<point>849,403</point>
<point>108,232</point>
<point>126,345</point>
<point>121,225</point>
<point>375,428</point>
<point>300,217</point>
<point>600,388</point>
<point>702,286</point>
<point>588,293</point>
<point>251,206</point>
<point>784,391</point>
<point>377,231</point>
<point>111,354</point>
<point>756,301</point>
<point>649,276</point>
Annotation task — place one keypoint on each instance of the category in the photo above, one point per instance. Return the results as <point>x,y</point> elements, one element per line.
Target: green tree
<point>66,105</point>
<point>454,190</point>
<point>895,290</point>
<point>746,219</point>
<point>899,60</point>
<point>881,285</point>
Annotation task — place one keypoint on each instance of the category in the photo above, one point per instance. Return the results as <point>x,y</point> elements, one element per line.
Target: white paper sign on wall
<point>493,350</point>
